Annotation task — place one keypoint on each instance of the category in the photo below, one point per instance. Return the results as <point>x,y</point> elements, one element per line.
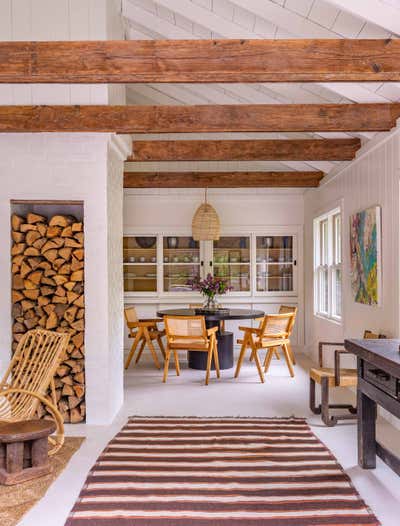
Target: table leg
<point>198,360</point>
<point>366,415</point>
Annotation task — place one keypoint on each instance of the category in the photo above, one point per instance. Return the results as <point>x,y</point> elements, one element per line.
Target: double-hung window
<point>328,265</point>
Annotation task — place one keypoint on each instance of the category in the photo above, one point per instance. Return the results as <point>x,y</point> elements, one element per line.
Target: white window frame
<point>327,261</point>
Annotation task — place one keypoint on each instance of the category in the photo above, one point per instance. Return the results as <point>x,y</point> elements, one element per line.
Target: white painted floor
<point>145,394</point>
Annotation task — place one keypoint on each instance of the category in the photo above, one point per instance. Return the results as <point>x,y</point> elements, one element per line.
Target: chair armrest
<point>253,330</point>
<point>275,336</point>
<point>212,330</point>
<point>338,352</point>
<point>321,349</point>
<point>148,323</point>
<point>132,324</point>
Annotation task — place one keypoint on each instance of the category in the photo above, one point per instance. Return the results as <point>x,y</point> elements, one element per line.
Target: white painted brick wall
<point>74,167</point>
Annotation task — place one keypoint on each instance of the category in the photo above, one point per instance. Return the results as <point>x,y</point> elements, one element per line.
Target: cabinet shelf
<point>250,277</point>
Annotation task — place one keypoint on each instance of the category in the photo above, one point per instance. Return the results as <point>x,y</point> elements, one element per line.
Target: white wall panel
<point>373,179</point>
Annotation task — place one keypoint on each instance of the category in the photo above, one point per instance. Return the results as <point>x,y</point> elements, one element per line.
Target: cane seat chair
<point>189,333</point>
<point>329,377</point>
<point>272,334</point>
<point>195,306</point>
<point>29,377</point>
<point>285,309</point>
<point>143,331</point>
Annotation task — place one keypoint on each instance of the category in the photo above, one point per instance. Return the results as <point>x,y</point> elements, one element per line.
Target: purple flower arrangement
<point>210,287</point>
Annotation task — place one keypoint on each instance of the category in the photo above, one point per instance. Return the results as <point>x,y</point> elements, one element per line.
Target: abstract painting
<point>365,240</point>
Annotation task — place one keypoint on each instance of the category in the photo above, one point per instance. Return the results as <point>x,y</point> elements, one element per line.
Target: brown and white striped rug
<point>218,471</point>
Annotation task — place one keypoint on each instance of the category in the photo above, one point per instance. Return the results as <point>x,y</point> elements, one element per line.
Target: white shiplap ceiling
<point>205,19</point>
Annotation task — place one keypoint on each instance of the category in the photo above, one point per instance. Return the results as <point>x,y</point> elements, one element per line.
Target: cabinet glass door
<point>275,263</point>
<point>140,263</point>
<point>181,263</point>
<point>232,261</point>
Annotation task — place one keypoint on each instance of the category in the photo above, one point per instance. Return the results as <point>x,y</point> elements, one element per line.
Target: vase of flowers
<point>210,287</point>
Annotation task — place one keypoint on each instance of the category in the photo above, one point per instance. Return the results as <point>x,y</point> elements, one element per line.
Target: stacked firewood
<point>48,293</point>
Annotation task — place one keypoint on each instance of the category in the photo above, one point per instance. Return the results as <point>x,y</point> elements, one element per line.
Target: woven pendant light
<point>205,223</point>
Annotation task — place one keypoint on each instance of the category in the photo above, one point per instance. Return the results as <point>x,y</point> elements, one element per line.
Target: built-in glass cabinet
<point>254,264</point>
<point>275,263</point>
<point>181,263</point>
<point>140,264</point>
<point>231,260</point>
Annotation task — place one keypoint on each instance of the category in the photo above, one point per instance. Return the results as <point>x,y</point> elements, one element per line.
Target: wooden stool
<point>24,450</point>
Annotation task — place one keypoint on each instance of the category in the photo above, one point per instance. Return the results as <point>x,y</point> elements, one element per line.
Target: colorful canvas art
<point>365,227</point>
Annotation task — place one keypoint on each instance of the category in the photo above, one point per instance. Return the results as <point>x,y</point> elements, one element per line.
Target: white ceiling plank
<point>304,28</point>
<point>374,11</point>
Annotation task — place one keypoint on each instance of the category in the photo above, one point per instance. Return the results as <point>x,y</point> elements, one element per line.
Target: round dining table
<point>198,360</point>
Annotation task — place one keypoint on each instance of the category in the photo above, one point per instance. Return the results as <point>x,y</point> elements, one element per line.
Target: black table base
<point>198,360</point>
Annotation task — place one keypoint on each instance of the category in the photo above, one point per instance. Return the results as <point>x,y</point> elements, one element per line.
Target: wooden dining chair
<point>271,335</point>
<point>189,333</point>
<point>195,306</point>
<point>143,331</point>
<point>29,381</point>
<point>285,309</point>
<point>260,321</point>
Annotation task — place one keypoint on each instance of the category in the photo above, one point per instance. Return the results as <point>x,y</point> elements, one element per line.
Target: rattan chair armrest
<point>321,350</point>
<point>338,352</point>
<point>212,330</point>
<point>132,324</point>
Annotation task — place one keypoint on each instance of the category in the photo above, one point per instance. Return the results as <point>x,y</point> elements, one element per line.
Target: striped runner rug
<point>173,471</point>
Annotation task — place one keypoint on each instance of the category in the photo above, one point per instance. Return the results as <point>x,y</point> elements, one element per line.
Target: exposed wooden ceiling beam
<point>329,60</point>
<point>246,150</point>
<point>222,179</point>
<point>204,119</point>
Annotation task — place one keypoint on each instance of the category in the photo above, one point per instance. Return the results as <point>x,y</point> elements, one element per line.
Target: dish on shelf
<point>151,275</point>
<point>146,242</point>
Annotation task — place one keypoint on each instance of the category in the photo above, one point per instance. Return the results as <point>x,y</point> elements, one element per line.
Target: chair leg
<point>288,360</point>
<point>166,364</point>
<point>216,359</point>
<point>268,358</point>
<point>258,364</point>
<point>291,353</point>
<point>327,420</point>
<point>139,354</point>
<point>209,358</point>
<point>177,367</point>
<point>315,409</point>
<point>151,347</point>
<point>161,345</point>
<point>241,356</point>
<point>276,353</point>
<point>133,348</point>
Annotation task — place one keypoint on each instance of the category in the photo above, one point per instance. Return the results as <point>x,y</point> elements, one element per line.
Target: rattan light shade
<point>205,224</point>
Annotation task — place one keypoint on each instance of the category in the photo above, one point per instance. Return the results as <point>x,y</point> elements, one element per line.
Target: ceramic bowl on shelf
<point>153,259</point>
<point>132,259</point>
<point>142,259</point>
<point>166,259</point>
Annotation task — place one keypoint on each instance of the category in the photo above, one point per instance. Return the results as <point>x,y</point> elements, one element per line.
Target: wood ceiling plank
<point>246,150</point>
<point>200,61</point>
<point>200,119</point>
<point>222,179</point>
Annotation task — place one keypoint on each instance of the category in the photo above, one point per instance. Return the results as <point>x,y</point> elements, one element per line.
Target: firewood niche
<point>48,292</point>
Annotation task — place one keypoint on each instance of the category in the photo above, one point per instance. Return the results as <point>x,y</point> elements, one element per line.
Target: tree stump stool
<point>24,450</point>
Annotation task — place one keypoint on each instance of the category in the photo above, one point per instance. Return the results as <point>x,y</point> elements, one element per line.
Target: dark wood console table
<point>378,364</point>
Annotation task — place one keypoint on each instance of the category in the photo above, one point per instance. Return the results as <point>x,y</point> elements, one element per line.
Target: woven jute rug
<point>15,501</point>
<point>220,472</point>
